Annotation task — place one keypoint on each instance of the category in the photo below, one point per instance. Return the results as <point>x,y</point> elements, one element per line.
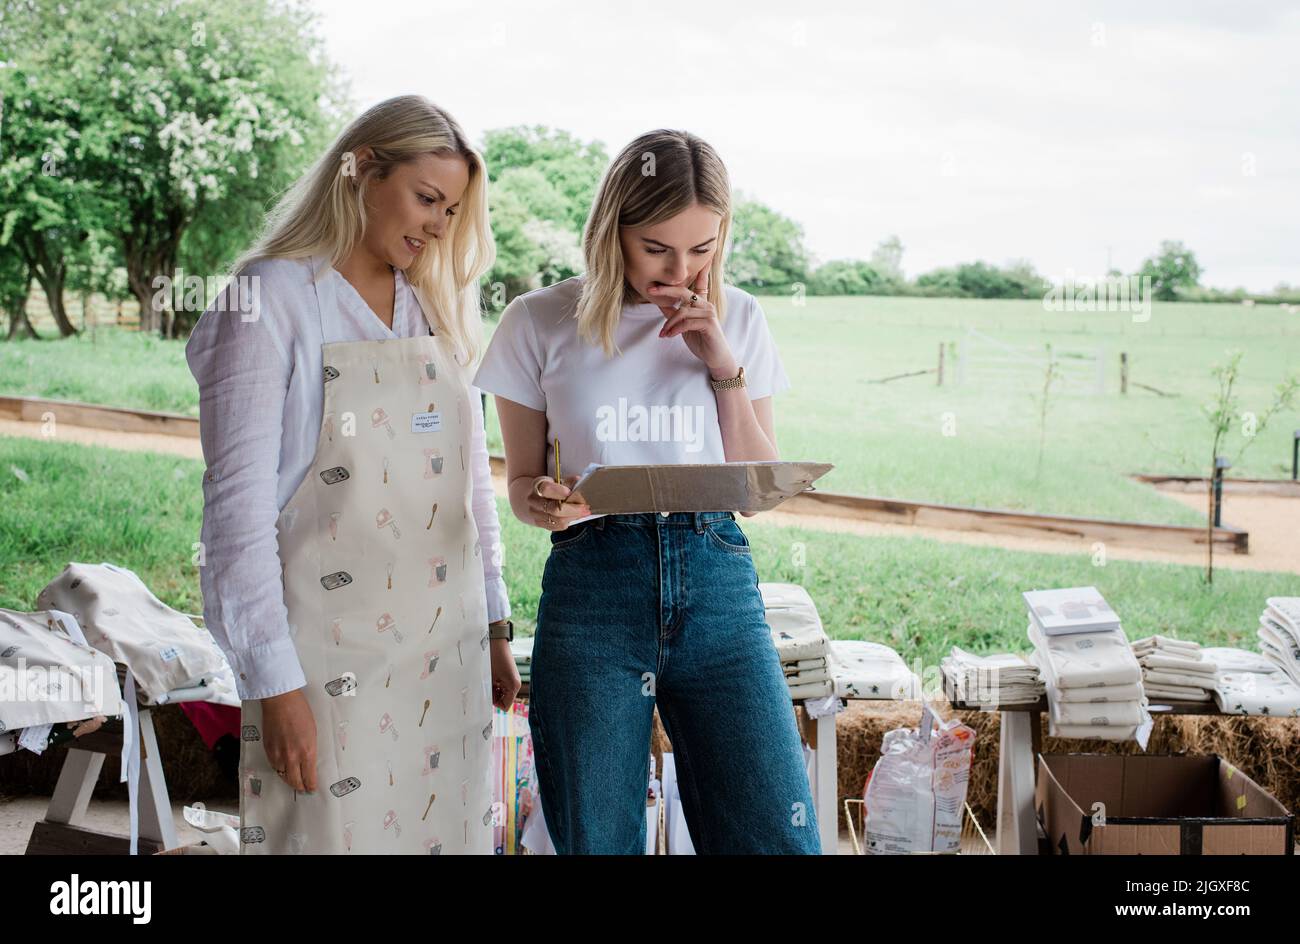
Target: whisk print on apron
<point>383,582</point>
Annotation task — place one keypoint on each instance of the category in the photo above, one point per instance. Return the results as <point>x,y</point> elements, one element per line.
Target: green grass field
<point>68,502</point>
<point>889,439</point>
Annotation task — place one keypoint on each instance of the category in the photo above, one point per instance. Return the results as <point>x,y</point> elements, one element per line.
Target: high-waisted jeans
<point>645,610</point>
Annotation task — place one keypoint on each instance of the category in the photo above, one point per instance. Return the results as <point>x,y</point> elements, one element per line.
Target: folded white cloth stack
<point>1174,670</point>
<point>1250,683</point>
<point>1079,663</point>
<point>1004,678</point>
<point>1279,634</point>
<point>799,638</point>
<point>871,670</point>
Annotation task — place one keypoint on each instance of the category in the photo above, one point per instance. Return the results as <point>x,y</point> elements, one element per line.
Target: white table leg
<point>155,810</point>
<point>825,769</point>
<point>77,779</point>
<point>1017,834</point>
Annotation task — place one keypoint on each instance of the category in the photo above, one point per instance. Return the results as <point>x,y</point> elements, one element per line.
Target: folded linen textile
<point>1229,659</point>
<point>1286,610</point>
<point>1094,732</point>
<point>1155,693</point>
<point>792,618</point>
<point>1084,659</point>
<point>1081,659</point>
<point>1280,646</point>
<point>1285,634</point>
<point>1100,693</point>
<point>1109,714</point>
<point>1255,693</point>
<point>812,690</point>
<point>1175,664</point>
<point>807,678</point>
<point>1178,679</point>
<point>868,670</point>
<point>803,665</point>
<point>1165,644</point>
<point>1003,678</point>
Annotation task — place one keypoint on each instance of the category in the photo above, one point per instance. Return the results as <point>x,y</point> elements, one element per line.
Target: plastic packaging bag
<point>917,792</point>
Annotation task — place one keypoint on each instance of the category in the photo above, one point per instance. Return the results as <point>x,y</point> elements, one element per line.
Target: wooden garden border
<point>1287,488</point>
<point>859,507</point>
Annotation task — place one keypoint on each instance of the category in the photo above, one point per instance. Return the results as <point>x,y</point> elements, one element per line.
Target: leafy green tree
<point>15,286</point>
<point>982,280</point>
<point>1171,269</point>
<point>846,277</point>
<point>887,261</point>
<point>570,166</point>
<point>169,108</point>
<point>543,184</point>
<point>767,249</point>
<point>47,207</point>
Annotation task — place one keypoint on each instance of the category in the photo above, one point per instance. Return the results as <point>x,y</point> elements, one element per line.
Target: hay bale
<point>1266,749</point>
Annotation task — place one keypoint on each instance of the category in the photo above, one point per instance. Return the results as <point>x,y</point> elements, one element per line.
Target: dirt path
<point>115,439</point>
<point>1273,522</point>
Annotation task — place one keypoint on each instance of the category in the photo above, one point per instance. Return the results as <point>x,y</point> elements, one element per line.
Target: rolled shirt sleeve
<point>485,514</point>
<point>243,371</point>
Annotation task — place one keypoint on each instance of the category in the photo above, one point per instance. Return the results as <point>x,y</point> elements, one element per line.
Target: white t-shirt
<point>651,405</point>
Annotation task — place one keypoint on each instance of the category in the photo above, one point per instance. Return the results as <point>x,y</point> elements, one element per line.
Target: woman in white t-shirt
<point>650,358</point>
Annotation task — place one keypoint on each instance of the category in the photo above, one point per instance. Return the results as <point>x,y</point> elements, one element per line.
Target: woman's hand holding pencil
<point>549,500</point>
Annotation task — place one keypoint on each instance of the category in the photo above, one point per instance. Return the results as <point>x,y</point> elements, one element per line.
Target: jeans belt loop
<point>699,522</point>
<point>600,522</point>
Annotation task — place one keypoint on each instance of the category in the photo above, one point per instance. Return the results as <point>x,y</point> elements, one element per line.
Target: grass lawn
<point>74,503</point>
<point>890,439</point>
<point>111,366</point>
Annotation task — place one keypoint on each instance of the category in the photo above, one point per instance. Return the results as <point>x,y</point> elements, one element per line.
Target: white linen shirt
<point>260,403</point>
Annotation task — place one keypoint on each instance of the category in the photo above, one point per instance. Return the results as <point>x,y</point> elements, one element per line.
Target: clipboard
<point>725,486</point>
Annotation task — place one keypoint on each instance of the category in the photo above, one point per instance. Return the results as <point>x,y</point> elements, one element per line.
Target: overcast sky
<point>1065,133</point>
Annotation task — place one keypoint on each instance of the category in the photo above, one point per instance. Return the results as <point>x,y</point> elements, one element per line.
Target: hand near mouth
<point>696,321</point>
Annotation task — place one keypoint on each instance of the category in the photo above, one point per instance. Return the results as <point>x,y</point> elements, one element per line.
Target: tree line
<point>139,138</point>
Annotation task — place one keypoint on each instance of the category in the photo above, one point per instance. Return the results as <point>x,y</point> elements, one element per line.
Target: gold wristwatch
<point>502,629</point>
<point>730,383</point>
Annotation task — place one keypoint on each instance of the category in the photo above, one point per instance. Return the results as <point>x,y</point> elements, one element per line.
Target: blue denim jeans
<point>645,610</point>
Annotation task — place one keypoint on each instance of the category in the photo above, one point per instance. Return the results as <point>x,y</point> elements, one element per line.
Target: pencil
<point>557,462</point>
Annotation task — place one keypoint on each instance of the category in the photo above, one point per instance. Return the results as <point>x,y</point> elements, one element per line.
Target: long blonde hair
<point>323,213</point>
<point>654,178</point>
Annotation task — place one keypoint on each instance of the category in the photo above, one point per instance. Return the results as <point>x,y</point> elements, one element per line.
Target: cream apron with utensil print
<point>383,582</point>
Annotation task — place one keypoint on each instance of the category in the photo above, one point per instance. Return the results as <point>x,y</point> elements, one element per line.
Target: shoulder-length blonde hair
<point>654,178</point>
<point>323,213</point>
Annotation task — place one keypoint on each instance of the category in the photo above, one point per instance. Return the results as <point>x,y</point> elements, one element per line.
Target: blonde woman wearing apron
<point>350,555</point>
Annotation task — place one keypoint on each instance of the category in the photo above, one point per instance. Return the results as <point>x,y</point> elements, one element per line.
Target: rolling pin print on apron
<point>383,581</point>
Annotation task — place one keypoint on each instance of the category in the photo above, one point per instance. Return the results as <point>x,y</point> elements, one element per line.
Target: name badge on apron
<point>430,422</point>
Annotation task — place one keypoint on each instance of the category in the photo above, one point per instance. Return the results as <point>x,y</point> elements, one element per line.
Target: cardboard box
<point>1157,805</point>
